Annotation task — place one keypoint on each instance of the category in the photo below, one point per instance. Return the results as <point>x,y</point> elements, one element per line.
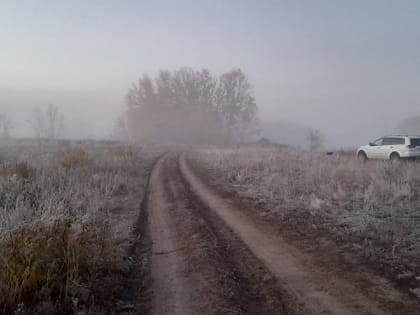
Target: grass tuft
<point>45,263</point>
<point>74,158</point>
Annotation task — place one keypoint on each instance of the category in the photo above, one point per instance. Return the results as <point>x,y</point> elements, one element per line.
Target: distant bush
<point>21,169</point>
<point>122,151</point>
<point>72,158</point>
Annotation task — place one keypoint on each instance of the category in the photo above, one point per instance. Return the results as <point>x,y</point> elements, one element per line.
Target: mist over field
<point>348,69</point>
<point>209,157</point>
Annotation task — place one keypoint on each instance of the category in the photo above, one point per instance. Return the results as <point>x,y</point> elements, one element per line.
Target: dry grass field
<point>371,208</point>
<point>60,219</point>
<point>84,231</point>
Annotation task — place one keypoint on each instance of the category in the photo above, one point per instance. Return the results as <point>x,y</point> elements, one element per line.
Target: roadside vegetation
<point>57,235</point>
<point>373,208</point>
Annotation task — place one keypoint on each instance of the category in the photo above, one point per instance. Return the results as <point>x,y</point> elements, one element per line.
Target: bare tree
<point>315,139</point>
<point>237,105</point>
<point>48,124</point>
<point>55,122</point>
<point>37,123</point>
<point>6,125</point>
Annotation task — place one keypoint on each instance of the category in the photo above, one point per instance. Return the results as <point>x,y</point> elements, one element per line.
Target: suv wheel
<point>362,156</point>
<point>394,156</point>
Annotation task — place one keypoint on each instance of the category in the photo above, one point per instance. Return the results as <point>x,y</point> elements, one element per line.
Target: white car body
<point>391,147</point>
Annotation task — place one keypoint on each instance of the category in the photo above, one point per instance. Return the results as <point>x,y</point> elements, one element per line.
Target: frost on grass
<point>374,206</point>
<point>55,229</point>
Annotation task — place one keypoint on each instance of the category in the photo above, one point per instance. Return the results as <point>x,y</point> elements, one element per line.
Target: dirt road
<point>210,256</point>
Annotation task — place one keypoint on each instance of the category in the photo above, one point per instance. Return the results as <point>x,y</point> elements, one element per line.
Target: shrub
<point>21,169</point>
<point>45,263</point>
<point>73,158</point>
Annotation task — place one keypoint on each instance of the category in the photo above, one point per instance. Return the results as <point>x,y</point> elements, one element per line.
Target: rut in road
<point>210,257</point>
<point>197,266</point>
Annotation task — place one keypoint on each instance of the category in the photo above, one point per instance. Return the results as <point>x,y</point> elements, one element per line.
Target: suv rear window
<point>393,140</point>
<point>415,141</point>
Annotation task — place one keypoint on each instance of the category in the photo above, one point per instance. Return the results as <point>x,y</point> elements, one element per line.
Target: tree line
<point>191,106</point>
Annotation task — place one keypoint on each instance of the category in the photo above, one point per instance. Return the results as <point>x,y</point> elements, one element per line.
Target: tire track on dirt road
<point>197,268</point>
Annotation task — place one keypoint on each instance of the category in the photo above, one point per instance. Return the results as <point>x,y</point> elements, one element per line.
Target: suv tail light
<point>411,146</point>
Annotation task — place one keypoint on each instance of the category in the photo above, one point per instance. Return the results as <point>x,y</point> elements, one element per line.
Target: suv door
<point>389,145</point>
<point>374,149</point>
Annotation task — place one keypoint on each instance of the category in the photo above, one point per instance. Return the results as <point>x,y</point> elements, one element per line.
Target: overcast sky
<point>350,68</point>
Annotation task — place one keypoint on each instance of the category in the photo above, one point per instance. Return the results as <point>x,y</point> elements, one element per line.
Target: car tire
<point>394,156</point>
<point>362,156</point>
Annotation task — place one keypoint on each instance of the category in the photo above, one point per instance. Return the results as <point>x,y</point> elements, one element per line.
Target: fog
<point>348,68</point>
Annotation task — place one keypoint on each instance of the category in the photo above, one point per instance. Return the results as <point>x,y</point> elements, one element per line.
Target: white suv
<point>391,148</point>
